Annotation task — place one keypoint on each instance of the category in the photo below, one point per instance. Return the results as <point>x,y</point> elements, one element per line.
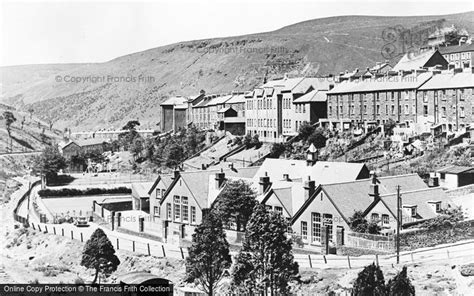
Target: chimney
<point>220,179</point>
<point>309,187</point>
<point>264,184</point>
<point>374,186</point>
<point>286,177</point>
<point>175,174</point>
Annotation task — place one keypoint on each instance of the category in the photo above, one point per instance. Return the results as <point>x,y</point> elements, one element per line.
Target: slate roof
<point>142,188</point>
<point>198,181</point>
<point>453,169</point>
<point>456,49</point>
<point>413,61</point>
<point>420,199</point>
<point>450,80</point>
<point>175,101</point>
<point>236,99</point>
<point>89,142</point>
<point>167,179</point>
<point>410,81</point>
<point>312,96</point>
<point>352,196</point>
<point>323,172</point>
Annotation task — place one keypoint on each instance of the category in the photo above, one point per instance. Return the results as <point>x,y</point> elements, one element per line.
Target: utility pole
<point>399,216</point>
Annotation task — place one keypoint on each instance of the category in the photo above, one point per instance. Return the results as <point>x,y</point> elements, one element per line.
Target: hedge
<point>69,192</point>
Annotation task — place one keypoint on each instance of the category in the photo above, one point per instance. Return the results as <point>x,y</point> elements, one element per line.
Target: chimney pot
<point>309,188</point>
<point>220,178</point>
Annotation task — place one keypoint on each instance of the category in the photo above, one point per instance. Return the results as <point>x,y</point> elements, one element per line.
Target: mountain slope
<point>320,46</point>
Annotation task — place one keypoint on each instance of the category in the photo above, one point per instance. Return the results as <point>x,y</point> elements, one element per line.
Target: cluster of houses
<point>429,89</point>
<point>310,194</point>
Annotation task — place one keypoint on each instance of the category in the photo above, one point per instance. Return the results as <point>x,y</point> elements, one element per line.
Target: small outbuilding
<point>455,176</point>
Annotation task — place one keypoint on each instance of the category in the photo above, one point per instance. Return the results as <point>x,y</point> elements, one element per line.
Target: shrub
<point>400,285</point>
<point>370,281</point>
<point>68,192</point>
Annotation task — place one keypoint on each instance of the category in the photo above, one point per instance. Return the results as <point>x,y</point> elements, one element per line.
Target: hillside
<point>320,46</point>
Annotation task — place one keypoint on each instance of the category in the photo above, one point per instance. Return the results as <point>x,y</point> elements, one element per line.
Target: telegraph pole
<point>399,216</point>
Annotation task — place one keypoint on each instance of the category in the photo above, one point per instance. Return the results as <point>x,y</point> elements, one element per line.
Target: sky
<point>38,32</point>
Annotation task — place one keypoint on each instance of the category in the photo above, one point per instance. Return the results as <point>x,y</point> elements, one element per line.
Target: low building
<point>332,205</point>
<point>78,147</point>
<point>455,176</point>
<point>140,196</point>
<point>189,195</point>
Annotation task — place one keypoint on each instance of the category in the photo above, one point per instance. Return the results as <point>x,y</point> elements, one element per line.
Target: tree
<point>174,155</point>
<point>235,203</point>
<point>358,223</point>
<point>136,147</point>
<point>131,125</point>
<point>248,141</point>
<point>49,162</point>
<point>317,138</point>
<point>209,254</point>
<point>265,262</point>
<point>400,285</point>
<point>306,129</point>
<point>9,120</point>
<point>99,254</point>
<point>370,281</point>
<point>277,150</point>
<point>191,140</point>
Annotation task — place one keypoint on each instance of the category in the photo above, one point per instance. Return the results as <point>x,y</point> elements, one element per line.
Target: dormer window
<point>412,210</point>
<point>436,206</point>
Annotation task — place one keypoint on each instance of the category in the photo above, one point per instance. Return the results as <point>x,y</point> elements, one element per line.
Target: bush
<point>68,192</point>
<point>400,285</point>
<point>370,281</point>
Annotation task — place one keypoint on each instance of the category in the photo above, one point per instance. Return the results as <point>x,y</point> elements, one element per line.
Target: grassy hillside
<point>320,46</point>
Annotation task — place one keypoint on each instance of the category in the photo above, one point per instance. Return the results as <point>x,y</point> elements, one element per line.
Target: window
<point>268,208</point>
<point>168,211</point>
<point>443,111</point>
<point>279,210</point>
<point>158,193</point>
<point>386,109</point>
<point>461,112</point>
<point>327,221</point>
<point>413,211</point>
<point>425,96</point>
<point>438,207</point>
<point>393,109</point>
<point>184,208</point>
<point>330,110</point>
<point>304,108</point>
<point>177,208</point>
<point>156,211</point>
<point>316,227</point>
<point>378,109</point>
<point>385,219</point>
<point>304,230</point>
<point>407,110</point>
<point>374,217</point>
<point>193,214</point>
<point>365,109</point>
<point>425,110</point>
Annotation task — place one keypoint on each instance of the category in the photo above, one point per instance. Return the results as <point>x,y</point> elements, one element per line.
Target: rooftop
<point>450,80</point>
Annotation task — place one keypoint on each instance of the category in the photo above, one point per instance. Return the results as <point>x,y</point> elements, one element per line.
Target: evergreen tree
<point>265,262</point>
<point>305,130</point>
<point>99,254</point>
<point>208,255</point>
<point>370,281</point>
<point>317,138</point>
<point>400,285</point>
<point>235,203</point>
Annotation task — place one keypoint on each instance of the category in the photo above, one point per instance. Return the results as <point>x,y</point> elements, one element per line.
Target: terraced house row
<point>421,89</point>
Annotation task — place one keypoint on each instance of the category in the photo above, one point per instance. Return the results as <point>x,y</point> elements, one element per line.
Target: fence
<point>370,241</point>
